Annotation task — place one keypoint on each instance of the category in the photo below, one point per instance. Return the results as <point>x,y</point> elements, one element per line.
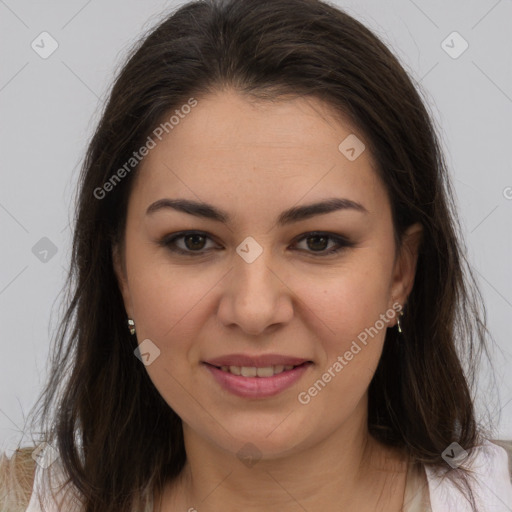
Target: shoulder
<point>488,467</point>
<point>507,446</point>
<point>16,479</point>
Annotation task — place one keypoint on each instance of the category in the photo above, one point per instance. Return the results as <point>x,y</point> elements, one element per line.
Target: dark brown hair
<point>99,406</point>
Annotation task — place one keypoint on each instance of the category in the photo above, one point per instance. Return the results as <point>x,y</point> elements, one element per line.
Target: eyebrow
<point>292,215</point>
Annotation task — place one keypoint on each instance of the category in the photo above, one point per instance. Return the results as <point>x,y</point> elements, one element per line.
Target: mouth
<point>254,371</point>
<point>257,377</point>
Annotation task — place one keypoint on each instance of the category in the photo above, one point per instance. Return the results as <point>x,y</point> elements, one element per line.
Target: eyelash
<point>342,242</point>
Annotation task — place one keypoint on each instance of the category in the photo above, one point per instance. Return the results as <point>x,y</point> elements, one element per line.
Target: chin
<point>268,437</point>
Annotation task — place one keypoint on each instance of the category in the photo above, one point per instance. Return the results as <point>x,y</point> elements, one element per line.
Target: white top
<point>492,485</point>
<point>426,490</point>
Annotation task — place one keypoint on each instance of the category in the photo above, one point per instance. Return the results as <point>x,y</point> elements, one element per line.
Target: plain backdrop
<point>49,107</point>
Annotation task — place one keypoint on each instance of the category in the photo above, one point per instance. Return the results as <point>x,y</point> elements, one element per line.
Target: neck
<point>348,467</point>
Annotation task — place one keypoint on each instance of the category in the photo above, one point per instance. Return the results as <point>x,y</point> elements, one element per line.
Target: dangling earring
<point>131,326</point>
<point>398,321</point>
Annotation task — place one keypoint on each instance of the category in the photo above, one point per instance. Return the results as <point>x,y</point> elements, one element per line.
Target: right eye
<point>193,242</point>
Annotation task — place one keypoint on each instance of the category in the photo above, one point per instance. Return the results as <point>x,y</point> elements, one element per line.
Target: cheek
<point>168,302</point>
<point>169,309</point>
<point>355,310</point>
<point>352,306</point>
<point>164,295</point>
<point>348,299</point>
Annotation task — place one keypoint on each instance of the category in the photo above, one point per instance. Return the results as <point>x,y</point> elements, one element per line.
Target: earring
<point>131,326</point>
<point>398,321</point>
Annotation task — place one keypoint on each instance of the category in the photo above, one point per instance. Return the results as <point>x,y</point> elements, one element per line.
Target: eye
<point>193,243</point>
<point>319,241</point>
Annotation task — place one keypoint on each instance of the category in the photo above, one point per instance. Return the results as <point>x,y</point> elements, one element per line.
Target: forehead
<point>259,154</point>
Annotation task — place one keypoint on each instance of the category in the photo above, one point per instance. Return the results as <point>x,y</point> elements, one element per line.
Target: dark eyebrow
<point>295,214</point>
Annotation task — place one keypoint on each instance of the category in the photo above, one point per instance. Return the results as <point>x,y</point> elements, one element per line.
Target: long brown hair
<point>99,408</point>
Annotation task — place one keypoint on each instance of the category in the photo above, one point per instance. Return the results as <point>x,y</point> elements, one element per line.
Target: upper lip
<point>260,361</point>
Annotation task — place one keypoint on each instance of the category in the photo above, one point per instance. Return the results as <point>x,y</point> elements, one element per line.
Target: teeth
<point>268,371</point>
<point>235,370</point>
<point>252,371</point>
<point>246,371</point>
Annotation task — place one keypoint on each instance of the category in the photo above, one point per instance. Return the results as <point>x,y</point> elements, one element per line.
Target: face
<point>269,327</point>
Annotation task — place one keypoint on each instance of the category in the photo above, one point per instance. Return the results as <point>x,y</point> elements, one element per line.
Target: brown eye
<point>319,243</point>
<point>191,244</point>
<point>194,241</point>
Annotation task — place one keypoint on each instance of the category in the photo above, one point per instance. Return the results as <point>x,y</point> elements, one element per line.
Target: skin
<point>255,159</point>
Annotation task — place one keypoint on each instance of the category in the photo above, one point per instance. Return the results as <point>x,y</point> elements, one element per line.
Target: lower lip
<point>257,387</point>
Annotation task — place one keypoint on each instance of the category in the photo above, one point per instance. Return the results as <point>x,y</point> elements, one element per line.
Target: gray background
<point>50,106</point>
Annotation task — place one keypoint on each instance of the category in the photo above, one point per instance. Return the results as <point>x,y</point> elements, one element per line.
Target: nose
<point>255,296</point>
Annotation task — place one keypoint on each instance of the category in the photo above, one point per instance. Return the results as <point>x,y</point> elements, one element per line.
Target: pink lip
<point>257,387</point>
<point>255,361</point>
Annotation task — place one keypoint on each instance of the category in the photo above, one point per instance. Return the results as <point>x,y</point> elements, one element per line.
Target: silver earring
<point>131,326</point>
<point>398,322</point>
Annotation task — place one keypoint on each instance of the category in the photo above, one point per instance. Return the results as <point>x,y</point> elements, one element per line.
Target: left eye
<point>321,242</point>
<point>194,243</point>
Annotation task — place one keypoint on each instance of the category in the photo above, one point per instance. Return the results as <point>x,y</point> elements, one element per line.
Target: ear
<point>120,272</point>
<point>405,263</point>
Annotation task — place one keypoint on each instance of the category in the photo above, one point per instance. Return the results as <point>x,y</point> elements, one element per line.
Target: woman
<point>271,307</point>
